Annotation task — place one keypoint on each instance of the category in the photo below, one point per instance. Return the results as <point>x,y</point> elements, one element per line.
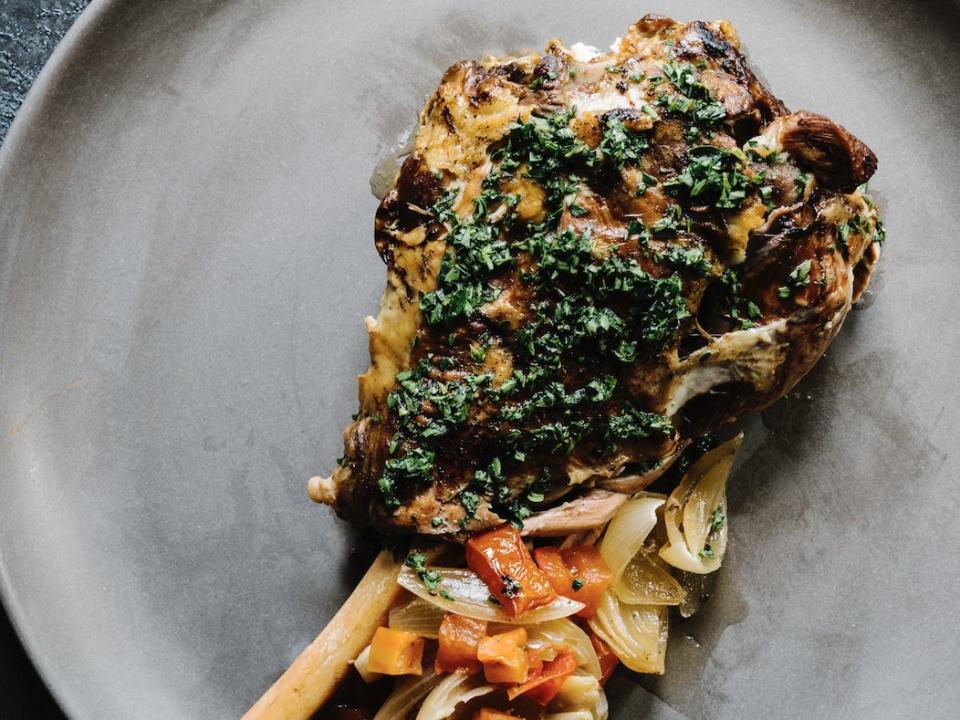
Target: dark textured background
<point>29,31</point>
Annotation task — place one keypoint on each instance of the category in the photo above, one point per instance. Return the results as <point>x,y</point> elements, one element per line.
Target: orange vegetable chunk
<point>544,686</point>
<point>504,657</point>
<point>579,573</point>
<point>588,567</point>
<point>459,640</point>
<point>608,660</point>
<point>503,562</point>
<point>534,663</point>
<point>395,652</point>
<point>550,561</point>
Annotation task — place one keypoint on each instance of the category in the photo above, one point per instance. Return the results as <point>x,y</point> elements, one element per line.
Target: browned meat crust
<point>591,261</point>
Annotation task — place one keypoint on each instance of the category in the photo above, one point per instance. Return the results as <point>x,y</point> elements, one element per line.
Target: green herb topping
<point>417,561</point>
<point>798,278</point>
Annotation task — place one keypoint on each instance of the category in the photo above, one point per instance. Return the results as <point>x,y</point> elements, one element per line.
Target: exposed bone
<point>585,513</point>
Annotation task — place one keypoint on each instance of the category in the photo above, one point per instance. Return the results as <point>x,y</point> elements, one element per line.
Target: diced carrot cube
<point>459,639</point>
<point>504,657</point>
<point>543,687</point>
<point>503,562</point>
<point>395,652</point>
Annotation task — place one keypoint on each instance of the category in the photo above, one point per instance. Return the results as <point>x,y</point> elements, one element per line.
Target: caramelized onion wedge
<point>462,592</point>
<point>637,634</point>
<point>627,532</point>
<point>417,616</point>
<point>645,581</point>
<point>566,632</point>
<point>695,542</point>
<point>450,692</point>
<point>579,693</point>
<point>407,694</point>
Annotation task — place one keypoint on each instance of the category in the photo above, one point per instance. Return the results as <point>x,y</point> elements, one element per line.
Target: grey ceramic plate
<point>186,257</point>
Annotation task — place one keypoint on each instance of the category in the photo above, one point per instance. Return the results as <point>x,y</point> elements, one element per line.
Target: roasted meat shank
<point>591,260</point>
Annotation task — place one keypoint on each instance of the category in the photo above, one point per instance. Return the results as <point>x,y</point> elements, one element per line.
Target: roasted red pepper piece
<point>578,573</point>
<point>608,660</point>
<point>503,562</point>
<point>544,686</point>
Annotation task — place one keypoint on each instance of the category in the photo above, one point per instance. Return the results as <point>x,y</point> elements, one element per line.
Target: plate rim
<point>17,142</point>
<point>21,138</point>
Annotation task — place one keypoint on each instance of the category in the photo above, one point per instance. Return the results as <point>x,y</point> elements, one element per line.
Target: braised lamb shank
<point>593,259</point>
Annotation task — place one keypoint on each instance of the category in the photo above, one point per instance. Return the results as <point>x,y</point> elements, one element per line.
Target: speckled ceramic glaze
<point>186,258</point>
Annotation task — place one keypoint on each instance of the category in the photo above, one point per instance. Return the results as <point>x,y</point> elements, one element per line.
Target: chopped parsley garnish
<point>707,552</point>
<point>645,182</point>
<point>621,146</point>
<point>671,223</point>
<point>717,519</point>
<point>843,239</point>
<point>590,308</point>
<point>470,501</point>
<point>427,407</point>
<point>712,176</point>
<point>417,561</point>
<point>577,584</point>
<point>546,145</point>
<point>798,278</point>
<point>691,258</point>
<point>746,311</point>
<point>511,588</point>
<point>693,100</point>
<point>475,251</point>
<point>416,464</point>
<point>515,512</point>
<point>880,233</point>
<point>489,480</point>
<point>633,424</point>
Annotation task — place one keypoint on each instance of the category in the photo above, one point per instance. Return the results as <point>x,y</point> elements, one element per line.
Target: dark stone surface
<point>29,31</point>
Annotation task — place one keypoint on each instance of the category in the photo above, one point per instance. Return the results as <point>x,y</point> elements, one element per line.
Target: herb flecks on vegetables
<point>417,561</point>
